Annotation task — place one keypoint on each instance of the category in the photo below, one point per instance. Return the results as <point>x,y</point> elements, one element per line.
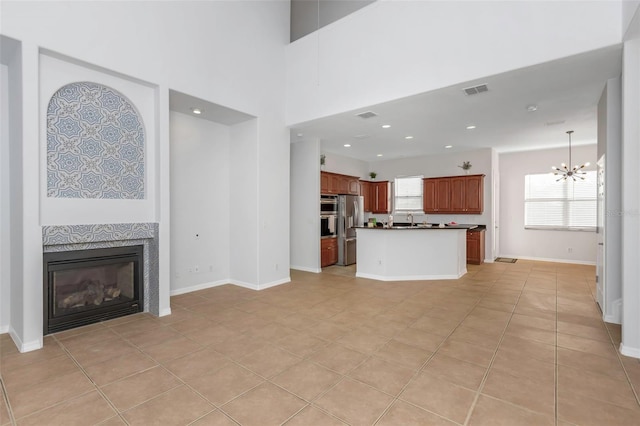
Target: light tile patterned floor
<point>508,344</point>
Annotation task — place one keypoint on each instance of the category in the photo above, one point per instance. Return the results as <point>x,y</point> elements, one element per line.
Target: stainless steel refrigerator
<point>350,215</point>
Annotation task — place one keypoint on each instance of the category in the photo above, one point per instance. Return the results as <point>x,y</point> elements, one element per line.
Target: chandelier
<point>565,172</point>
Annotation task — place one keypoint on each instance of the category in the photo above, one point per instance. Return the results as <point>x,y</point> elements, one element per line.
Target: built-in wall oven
<point>328,216</point>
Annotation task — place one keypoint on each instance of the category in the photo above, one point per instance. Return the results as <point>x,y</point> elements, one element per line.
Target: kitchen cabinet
<point>475,246</point>
<point>456,194</point>
<point>436,196</point>
<point>328,251</point>
<point>365,191</point>
<point>376,196</point>
<point>335,183</point>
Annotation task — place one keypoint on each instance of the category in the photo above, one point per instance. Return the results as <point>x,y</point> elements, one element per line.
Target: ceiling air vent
<point>367,114</point>
<point>475,90</point>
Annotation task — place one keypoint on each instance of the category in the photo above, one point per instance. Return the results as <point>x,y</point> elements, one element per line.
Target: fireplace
<point>86,286</point>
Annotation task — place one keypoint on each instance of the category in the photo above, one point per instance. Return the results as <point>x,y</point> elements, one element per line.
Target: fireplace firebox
<point>86,286</point>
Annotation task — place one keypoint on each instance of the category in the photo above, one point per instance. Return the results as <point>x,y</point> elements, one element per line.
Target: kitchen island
<point>406,253</point>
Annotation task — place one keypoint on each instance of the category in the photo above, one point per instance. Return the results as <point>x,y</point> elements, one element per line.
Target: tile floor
<point>508,344</point>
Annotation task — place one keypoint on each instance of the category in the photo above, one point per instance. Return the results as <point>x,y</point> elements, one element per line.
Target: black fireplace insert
<point>87,286</point>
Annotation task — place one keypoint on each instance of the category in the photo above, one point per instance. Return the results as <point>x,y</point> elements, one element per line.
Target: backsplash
<point>95,144</point>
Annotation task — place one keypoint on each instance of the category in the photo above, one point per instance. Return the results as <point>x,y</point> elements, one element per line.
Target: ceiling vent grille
<point>367,114</point>
<point>475,90</point>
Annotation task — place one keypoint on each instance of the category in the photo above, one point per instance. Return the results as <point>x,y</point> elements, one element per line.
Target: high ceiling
<point>564,92</point>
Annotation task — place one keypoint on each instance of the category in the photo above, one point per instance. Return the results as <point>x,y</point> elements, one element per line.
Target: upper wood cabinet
<point>365,191</point>
<point>376,196</point>
<point>334,183</point>
<point>436,197</point>
<point>456,194</point>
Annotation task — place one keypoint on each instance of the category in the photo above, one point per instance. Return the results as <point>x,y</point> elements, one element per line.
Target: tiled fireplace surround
<point>84,237</point>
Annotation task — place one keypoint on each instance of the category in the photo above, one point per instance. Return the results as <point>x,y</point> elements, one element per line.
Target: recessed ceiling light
<point>379,155</point>
<point>347,145</point>
<point>196,111</point>
<point>531,108</point>
<point>448,146</point>
<point>408,137</point>
<point>386,126</point>
<point>471,127</point>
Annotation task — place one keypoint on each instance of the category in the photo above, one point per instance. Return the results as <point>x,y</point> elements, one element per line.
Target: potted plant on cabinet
<point>466,166</point>
<point>373,175</point>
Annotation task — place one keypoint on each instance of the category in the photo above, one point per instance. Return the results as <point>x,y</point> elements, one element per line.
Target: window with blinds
<point>408,194</point>
<point>563,205</point>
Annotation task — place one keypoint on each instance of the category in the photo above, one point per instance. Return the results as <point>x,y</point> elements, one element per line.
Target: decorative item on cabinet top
<point>335,183</point>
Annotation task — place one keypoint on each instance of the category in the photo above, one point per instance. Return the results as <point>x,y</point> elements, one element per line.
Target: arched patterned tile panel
<point>95,144</point>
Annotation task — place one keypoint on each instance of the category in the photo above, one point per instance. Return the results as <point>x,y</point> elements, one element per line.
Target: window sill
<point>560,228</point>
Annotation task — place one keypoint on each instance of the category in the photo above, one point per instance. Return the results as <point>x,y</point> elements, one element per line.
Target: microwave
<point>328,204</point>
<point>328,225</point>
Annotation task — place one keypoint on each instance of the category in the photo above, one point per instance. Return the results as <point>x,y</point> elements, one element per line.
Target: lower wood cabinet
<point>328,251</point>
<point>475,246</point>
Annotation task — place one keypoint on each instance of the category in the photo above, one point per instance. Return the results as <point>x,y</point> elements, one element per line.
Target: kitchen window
<point>408,194</point>
<point>564,205</point>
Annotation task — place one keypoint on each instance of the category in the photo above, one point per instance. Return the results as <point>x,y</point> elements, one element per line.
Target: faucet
<point>410,217</point>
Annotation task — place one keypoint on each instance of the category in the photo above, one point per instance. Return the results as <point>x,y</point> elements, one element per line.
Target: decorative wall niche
<point>95,144</point>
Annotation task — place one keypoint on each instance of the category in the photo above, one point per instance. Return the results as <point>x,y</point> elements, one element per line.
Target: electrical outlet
<point>190,270</point>
<point>379,262</point>
<point>276,266</point>
<point>196,269</point>
<point>570,250</point>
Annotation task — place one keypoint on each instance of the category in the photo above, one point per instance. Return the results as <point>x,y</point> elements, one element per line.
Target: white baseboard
<point>627,351</point>
<point>260,286</point>
<point>545,259</point>
<point>25,346</point>
<point>306,269</point>
<point>197,287</point>
<point>274,283</point>
<point>615,316</point>
<point>227,281</point>
<point>164,312</point>
<point>409,277</point>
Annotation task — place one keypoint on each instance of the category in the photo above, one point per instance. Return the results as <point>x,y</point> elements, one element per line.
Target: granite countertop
<point>402,225</point>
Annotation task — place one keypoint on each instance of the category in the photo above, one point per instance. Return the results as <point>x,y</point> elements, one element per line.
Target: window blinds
<point>408,194</point>
<point>564,205</point>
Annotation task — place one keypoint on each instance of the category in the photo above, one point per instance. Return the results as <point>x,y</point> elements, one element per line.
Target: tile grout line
<point>486,374</point>
<point>97,388</point>
<point>5,396</point>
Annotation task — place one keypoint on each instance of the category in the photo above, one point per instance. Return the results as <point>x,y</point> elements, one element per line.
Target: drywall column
<point>243,204</point>
<point>630,344</point>
<point>26,290</point>
<point>305,202</point>
<point>163,201</point>
<point>610,145</point>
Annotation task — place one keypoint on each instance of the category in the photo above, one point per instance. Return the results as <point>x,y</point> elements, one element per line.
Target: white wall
<point>345,165</point>
<point>630,345</point>
<point>5,218</point>
<point>196,48</point>
<point>610,145</point>
<point>515,241</point>
<point>392,49</point>
<point>243,207</point>
<point>200,194</point>
<point>444,165</point>
<point>305,205</point>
